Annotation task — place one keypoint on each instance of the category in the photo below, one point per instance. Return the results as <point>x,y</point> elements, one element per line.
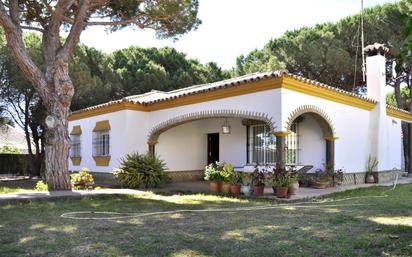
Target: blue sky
<point>233,27</point>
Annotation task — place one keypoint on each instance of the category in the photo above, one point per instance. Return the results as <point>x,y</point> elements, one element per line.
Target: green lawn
<point>342,225</point>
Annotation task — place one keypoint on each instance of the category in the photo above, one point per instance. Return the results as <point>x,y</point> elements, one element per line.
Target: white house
<point>259,118</point>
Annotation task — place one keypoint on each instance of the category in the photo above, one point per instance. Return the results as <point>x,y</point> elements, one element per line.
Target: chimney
<point>376,72</point>
<point>378,123</point>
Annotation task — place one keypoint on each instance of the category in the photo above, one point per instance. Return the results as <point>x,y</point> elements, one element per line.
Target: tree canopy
<point>328,52</point>
<point>52,82</point>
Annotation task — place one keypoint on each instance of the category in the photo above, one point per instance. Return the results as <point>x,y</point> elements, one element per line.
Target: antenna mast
<point>363,45</point>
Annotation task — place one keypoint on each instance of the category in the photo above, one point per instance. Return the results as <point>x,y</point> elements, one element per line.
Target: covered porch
<point>189,142</point>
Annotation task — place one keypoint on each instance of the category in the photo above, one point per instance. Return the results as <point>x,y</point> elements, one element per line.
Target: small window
<point>262,145</point>
<point>75,149</point>
<point>101,143</point>
<point>292,145</point>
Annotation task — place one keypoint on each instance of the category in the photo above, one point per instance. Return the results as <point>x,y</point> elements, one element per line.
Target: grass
<point>362,222</point>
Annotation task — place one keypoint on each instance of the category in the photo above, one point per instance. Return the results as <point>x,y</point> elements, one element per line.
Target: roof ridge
<point>196,89</point>
<point>396,108</point>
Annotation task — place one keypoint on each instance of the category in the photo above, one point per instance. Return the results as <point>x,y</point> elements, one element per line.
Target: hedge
<point>18,164</point>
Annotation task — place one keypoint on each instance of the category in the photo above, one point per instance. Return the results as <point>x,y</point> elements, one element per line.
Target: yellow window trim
<point>76,130</point>
<point>236,90</point>
<point>76,160</point>
<point>103,125</point>
<point>399,114</point>
<point>102,160</point>
<point>281,133</point>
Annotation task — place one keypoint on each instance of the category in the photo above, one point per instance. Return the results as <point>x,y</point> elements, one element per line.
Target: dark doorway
<point>212,147</point>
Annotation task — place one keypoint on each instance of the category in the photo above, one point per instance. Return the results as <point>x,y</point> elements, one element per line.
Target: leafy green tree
<point>328,52</point>
<point>164,69</point>
<point>10,149</point>
<point>52,82</point>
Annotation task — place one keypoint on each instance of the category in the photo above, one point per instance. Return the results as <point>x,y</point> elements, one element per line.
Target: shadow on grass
<point>342,230</point>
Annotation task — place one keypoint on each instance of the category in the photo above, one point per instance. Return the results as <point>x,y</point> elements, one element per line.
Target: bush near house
<point>137,170</point>
<point>82,180</point>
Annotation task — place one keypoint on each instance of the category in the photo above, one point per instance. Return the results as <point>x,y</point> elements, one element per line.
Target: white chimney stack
<point>376,83</point>
<point>376,72</point>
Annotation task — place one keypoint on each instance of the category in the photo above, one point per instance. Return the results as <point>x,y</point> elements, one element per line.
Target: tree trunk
<point>57,149</point>
<point>57,137</point>
<point>409,168</point>
<point>404,125</point>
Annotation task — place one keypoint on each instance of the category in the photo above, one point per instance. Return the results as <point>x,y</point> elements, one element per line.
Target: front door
<point>212,147</point>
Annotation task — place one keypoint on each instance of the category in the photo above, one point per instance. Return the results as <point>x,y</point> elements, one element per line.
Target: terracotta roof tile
<point>160,96</point>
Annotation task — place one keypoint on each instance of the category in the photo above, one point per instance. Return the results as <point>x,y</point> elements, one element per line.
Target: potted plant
<point>295,176</point>
<point>282,184</point>
<point>321,179</point>
<point>235,180</point>
<point>246,188</point>
<point>258,182</point>
<point>370,167</point>
<point>294,186</point>
<point>213,174</point>
<point>226,172</point>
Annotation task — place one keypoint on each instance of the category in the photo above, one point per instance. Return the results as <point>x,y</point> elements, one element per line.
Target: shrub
<point>138,170</point>
<point>41,186</point>
<point>82,180</point>
<point>283,181</point>
<point>235,178</point>
<point>213,172</point>
<point>227,172</point>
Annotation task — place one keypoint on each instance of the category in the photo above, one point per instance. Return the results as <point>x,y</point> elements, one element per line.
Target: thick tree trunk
<point>57,149</point>
<point>404,125</point>
<point>57,136</point>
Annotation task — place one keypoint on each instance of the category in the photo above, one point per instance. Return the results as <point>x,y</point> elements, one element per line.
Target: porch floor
<point>304,193</point>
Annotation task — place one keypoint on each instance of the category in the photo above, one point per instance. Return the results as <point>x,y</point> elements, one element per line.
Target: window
<point>101,143</point>
<point>292,145</point>
<point>75,150</point>
<point>261,145</point>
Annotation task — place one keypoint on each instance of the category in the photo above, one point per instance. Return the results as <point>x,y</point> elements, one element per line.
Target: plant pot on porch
<point>235,189</point>
<point>293,188</point>
<point>282,192</point>
<point>258,190</point>
<point>225,188</point>
<point>320,184</point>
<point>369,178</point>
<point>215,186</point>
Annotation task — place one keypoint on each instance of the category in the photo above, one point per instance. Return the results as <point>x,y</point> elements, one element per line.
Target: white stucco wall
<point>185,147</point>
<point>267,102</point>
<point>353,127</point>
<point>312,146</point>
<point>118,140</point>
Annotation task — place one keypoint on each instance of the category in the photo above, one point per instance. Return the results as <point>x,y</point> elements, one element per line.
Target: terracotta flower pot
<point>258,190</point>
<point>235,189</point>
<point>293,188</point>
<point>226,188</point>
<point>215,186</point>
<point>369,179</point>
<point>320,185</point>
<point>281,192</point>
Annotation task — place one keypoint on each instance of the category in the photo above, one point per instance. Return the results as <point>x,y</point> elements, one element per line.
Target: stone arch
<point>318,114</point>
<point>209,114</point>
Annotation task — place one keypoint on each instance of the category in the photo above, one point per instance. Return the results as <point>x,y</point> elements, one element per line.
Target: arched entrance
<point>311,138</point>
<point>183,141</point>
